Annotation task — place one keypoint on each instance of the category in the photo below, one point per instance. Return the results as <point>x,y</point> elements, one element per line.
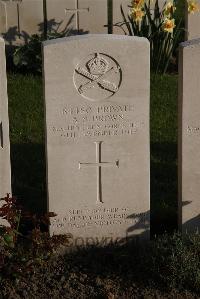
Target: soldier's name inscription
<point>91,121</point>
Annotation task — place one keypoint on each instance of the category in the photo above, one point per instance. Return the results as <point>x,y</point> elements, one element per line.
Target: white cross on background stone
<point>76,11</point>
<point>98,164</point>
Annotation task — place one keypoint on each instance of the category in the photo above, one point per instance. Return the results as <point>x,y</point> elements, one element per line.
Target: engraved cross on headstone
<point>99,164</point>
<point>76,11</point>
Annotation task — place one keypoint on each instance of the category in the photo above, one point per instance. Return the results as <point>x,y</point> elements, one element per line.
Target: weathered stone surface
<point>97,124</point>
<point>5,173</point>
<point>31,16</point>
<point>75,16</point>
<point>117,15</point>
<point>189,136</point>
<point>192,24</point>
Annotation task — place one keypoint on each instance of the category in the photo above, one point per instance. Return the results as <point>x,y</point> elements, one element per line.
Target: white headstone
<point>89,16</point>
<point>118,27</point>
<point>31,16</point>
<point>3,24</point>
<point>5,172</point>
<point>9,21</point>
<point>97,122</point>
<point>192,24</point>
<point>189,136</point>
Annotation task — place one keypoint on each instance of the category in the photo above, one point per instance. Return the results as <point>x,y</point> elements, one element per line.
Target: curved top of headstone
<point>190,43</point>
<point>96,36</point>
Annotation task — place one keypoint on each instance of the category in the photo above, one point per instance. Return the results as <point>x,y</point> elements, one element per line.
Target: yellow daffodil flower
<point>137,3</point>
<point>169,9</point>
<point>193,6</point>
<point>168,25</point>
<point>137,14</point>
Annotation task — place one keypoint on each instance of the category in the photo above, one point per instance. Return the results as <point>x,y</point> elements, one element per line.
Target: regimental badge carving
<point>98,77</point>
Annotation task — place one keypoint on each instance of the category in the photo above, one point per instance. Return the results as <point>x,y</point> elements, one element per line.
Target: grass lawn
<point>27,140</point>
<point>164,93</point>
<point>26,112</point>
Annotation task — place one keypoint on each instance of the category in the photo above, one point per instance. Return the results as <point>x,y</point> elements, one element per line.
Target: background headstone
<point>3,20</point>
<point>97,122</point>
<point>78,15</point>
<point>20,19</point>
<point>5,172</point>
<point>9,21</point>
<point>117,15</point>
<point>192,24</point>
<point>31,16</point>
<point>189,136</point>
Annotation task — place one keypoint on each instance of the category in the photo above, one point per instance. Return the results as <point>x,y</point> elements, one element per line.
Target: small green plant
<point>10,212</point>
<point>28,57</point>
<point>158,26</point>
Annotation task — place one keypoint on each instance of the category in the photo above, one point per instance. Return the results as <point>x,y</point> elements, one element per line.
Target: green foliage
<point>12,213</point>
<point>28,57</point>
<point>180,8</point>
<point>162,43</point>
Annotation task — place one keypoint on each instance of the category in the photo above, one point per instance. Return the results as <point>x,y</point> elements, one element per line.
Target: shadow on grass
<point>164,187</point>
<point>29,176</point>
<point>163,265</point>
